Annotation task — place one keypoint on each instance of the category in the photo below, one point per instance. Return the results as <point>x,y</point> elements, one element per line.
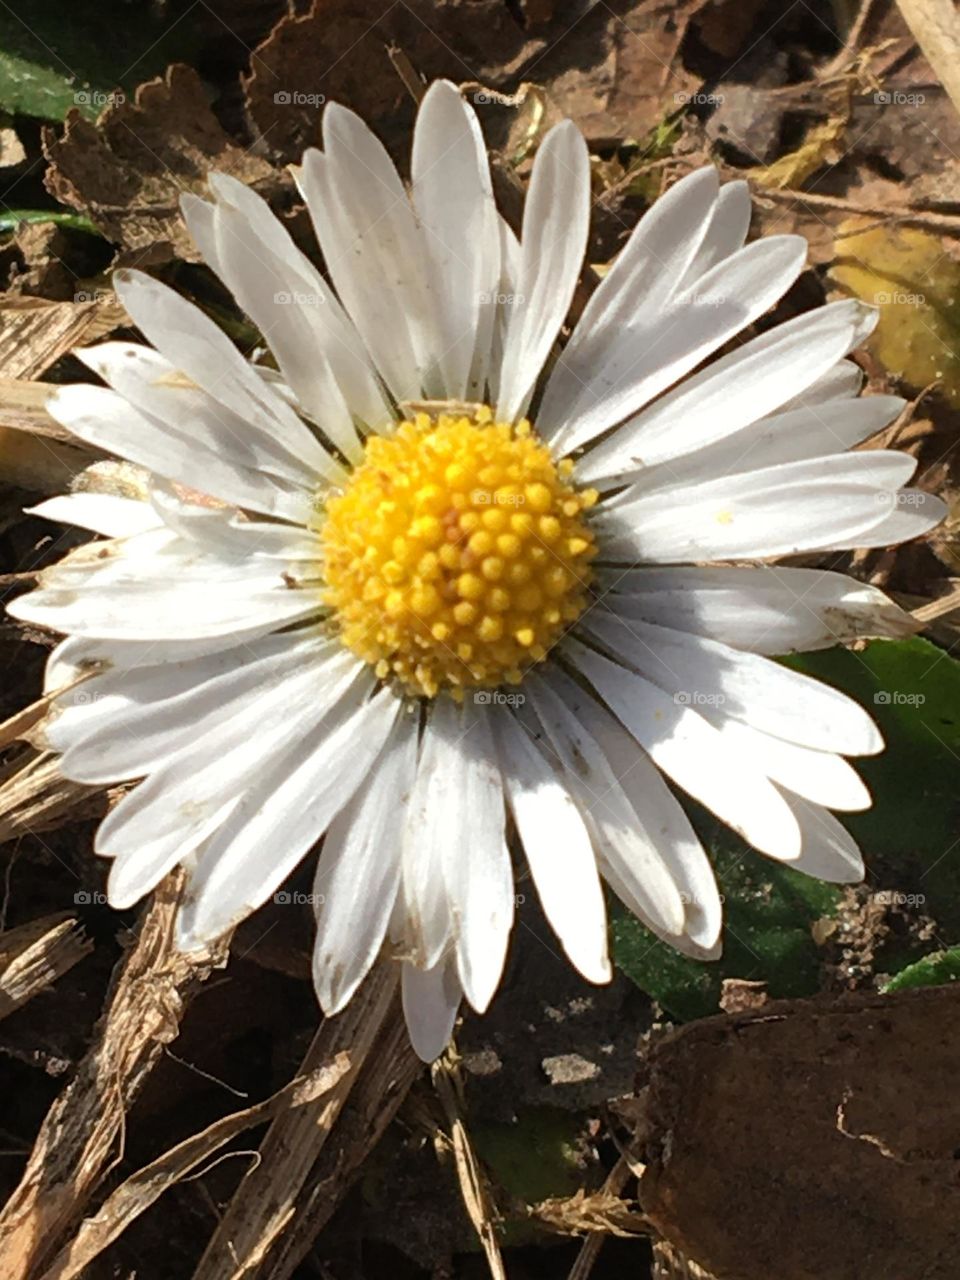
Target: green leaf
<point>10,219</point>
<point>909,836</point>
<point>54,57</point>
<point>934,970</point>
<point>769,915</point>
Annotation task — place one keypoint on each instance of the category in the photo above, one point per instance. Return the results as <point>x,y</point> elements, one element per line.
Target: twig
<point>473,1188</point>
<point>384,1082</point>
<point>616,1180</point>
<point>945,223</point>
<point>846,54</point>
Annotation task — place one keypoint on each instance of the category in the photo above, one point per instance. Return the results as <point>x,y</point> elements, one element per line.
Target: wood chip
<point>35,796</point>
<point>34,955</point>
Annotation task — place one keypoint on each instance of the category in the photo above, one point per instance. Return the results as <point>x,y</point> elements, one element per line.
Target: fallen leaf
<point>128,170</point>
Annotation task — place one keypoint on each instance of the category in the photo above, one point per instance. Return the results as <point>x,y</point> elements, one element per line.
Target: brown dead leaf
<point>339,51</point>
<point>127,170</point>
<point>810,1139</point>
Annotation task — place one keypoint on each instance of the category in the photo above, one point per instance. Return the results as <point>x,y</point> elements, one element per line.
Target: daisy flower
<point>429,574</point>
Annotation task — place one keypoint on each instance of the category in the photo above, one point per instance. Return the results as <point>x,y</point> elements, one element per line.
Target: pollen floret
<point>458,554</point>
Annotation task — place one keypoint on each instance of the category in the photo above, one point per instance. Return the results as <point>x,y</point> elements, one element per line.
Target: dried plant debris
<point>810,1139</point>
<point>36,954</point>
<point>127,171</point>
<point>79,1137</point>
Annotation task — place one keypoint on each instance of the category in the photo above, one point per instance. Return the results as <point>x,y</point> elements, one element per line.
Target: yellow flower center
<point>457,554</point>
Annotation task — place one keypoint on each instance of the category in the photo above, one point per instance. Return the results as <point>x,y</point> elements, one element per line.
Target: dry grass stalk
<point>264,1206</point>
<point>78,1140</point>
<point>34,955</point>
<point>134,1196</point>
<point>34,795</point>
<point>670,1264</point>
<point>384,1082</point>
<point>473,1186</point>
<point>613,1185</point>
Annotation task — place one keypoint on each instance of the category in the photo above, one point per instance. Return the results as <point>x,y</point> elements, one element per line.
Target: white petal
<point>640,850</point>
<point>190,795</point>
<point>828,851</point>
<point>558,849</point>
<point>726,234</point>
<point>431,998</point>
<point>733,392</point>
<point>276,823</point>
<point>333,333</point>
<point>165,591</point>
<point>818,504</point>
<point>556,220</point>
<point>453,197</point>
<point>100,512</point>
<point>811,432</point>
<point>644,275</point>
<point>843,381</point>
<point>476,863</point>
<point>234,474</point>
<point>505,303</point>
<point>769,609</point>
<point>656,812</point>
<point>657,349</point>
<point>909,513</point>
<point>136,721</point>
<point>373,250</point>
<point>192,416</point>
<point>435,810</point>
<point>696,670</point>
<point>290,319</point>
<point>195,346</point>
<point>691,752</point>
<point>358,873</point>
<point>816,775</point>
